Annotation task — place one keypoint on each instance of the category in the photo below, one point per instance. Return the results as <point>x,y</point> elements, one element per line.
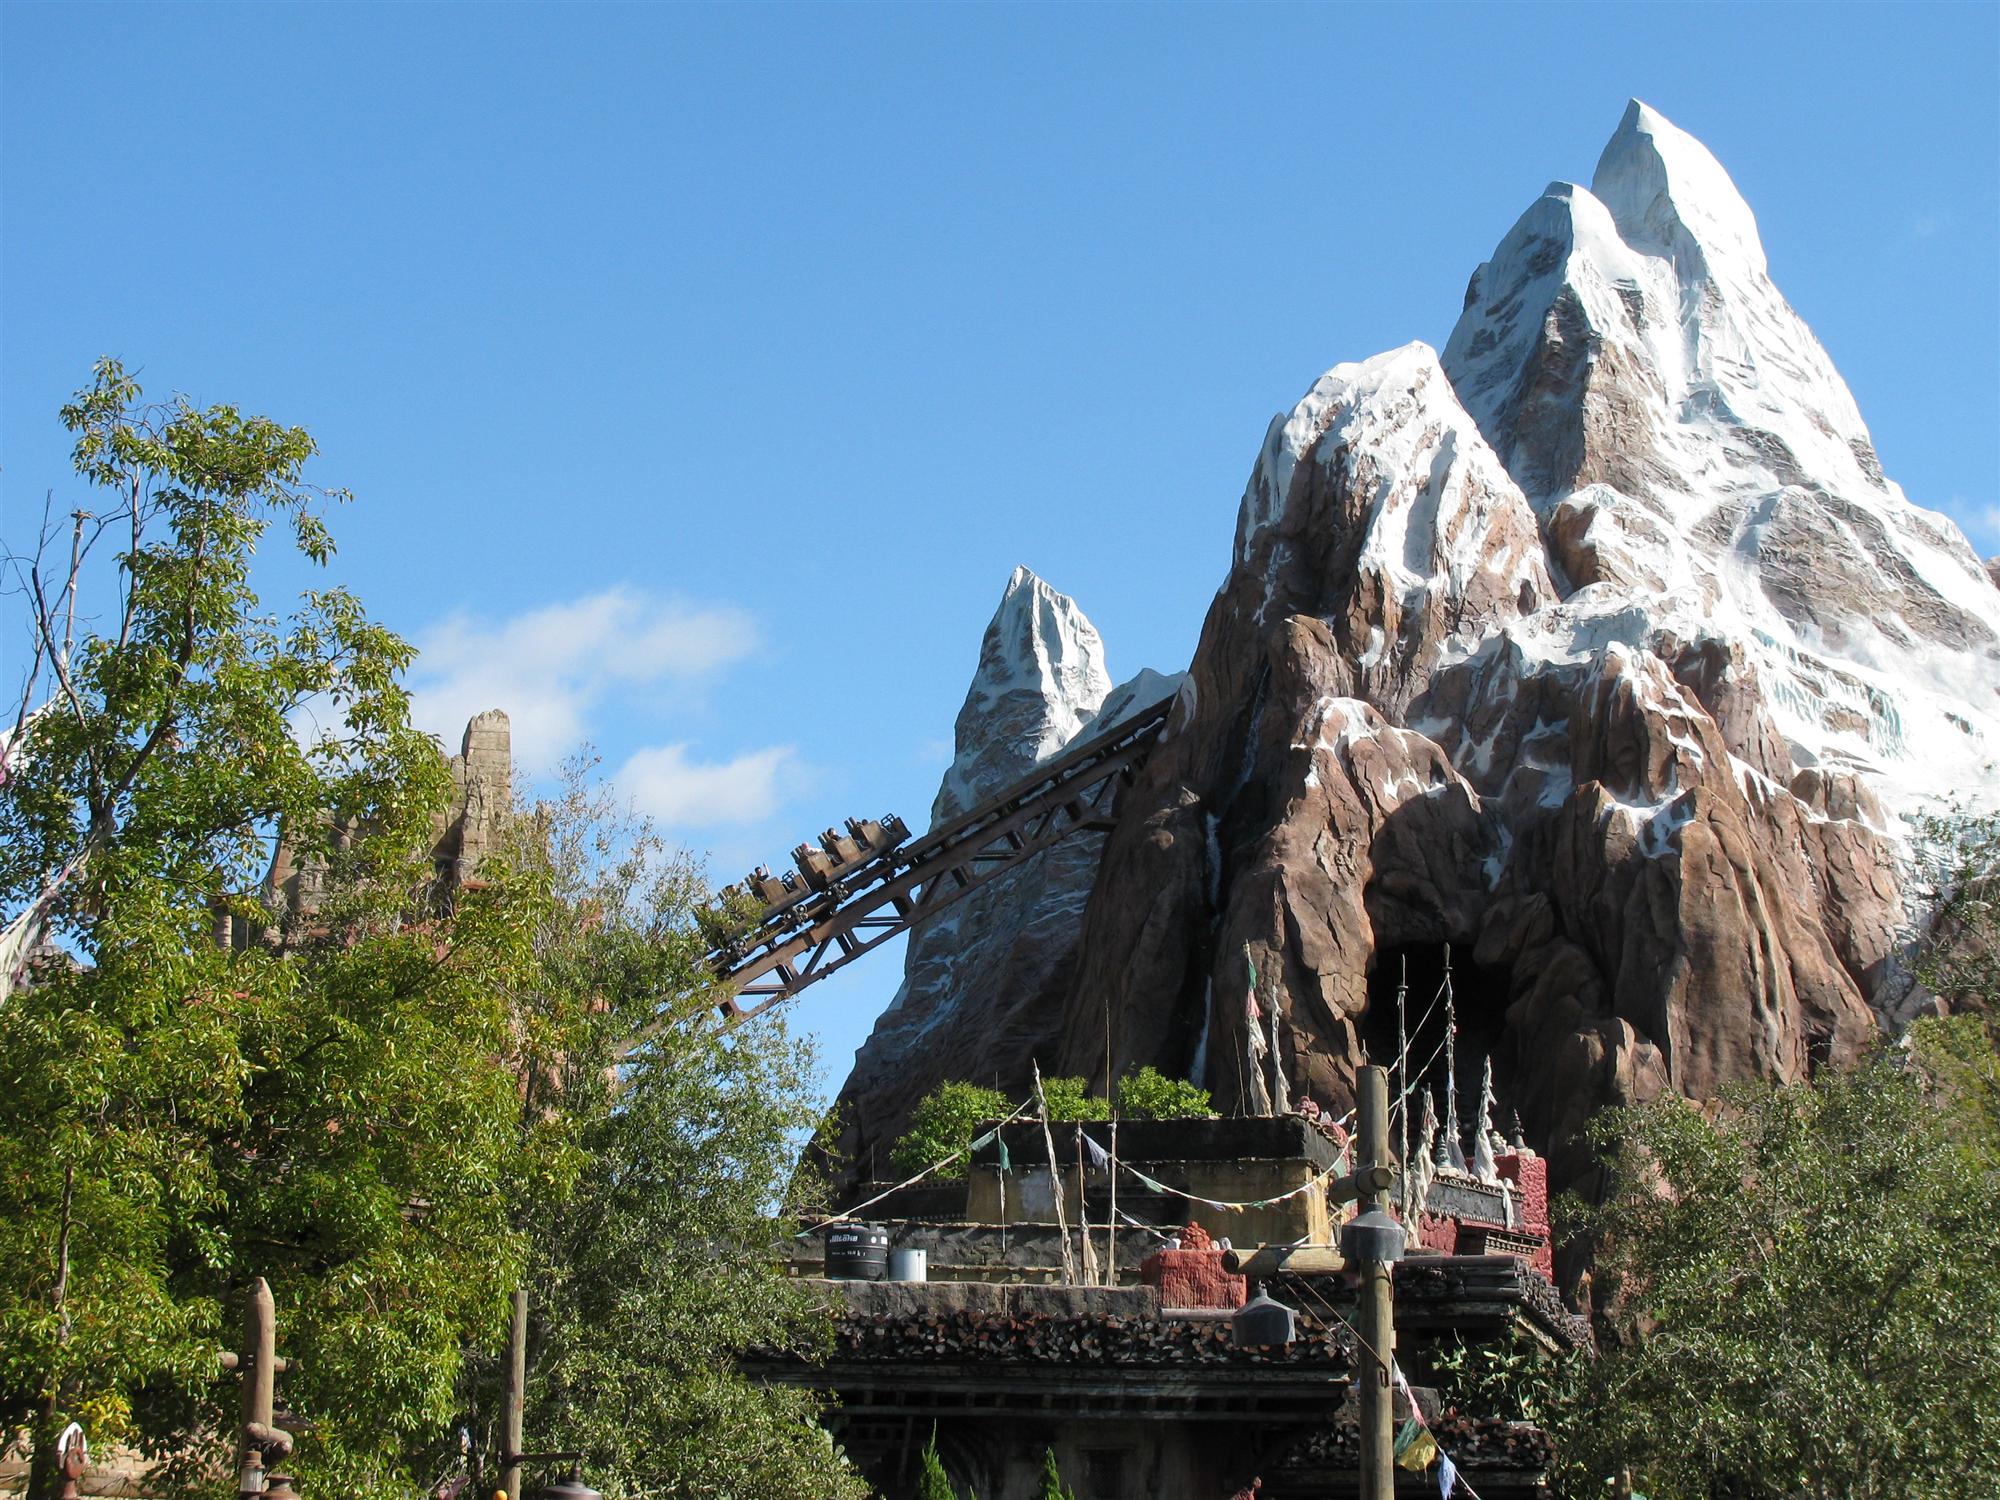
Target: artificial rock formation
<point>1598,648</point>
<point>983,983</point>
<point>482,783</point>
<point>462,835</point>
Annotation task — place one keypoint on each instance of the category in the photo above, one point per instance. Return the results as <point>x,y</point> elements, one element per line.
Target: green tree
<point>946,1120</point>
<point>661,1266</point>
<point>1150,1095</point>
<point>1799,1291</point>
<point>932,1481</point>
<point>1052,1487</point>
<point>156,1142</point>
<point>1070,1099</point>
<point>393,1111</point>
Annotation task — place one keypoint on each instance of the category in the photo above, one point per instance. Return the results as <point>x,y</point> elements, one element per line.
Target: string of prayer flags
<point>1417,1446</point>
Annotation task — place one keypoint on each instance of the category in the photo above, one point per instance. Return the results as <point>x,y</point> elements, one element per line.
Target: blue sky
<point>702,373</point>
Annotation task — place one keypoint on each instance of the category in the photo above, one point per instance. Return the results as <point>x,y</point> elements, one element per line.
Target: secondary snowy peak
<point>1689,445</point>
<point>1041,678</point>
<point>1396,405</point>
<point>983,982</point>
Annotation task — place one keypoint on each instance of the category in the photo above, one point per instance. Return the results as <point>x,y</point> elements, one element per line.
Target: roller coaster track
<point>886,893</point>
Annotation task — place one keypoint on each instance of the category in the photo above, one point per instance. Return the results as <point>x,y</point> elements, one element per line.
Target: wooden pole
<point>259,1385</point>
<point>1089,1250</point>
<point>1260,1261</point>
<point>1111,1226</point>
<point>1402,1082</point>
<point>516,1400</point>
<point>1374,1357</point>
<point>1055,1178</point>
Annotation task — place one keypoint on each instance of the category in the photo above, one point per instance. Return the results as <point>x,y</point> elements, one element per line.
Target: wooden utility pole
<point>258,1439</point>
<point>516,1399</point>
<point>1378,1335</point>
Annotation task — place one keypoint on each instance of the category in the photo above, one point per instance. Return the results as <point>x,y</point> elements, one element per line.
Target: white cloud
<point>677,791</point>
<point>550,666</point>
<point>1990,519</point>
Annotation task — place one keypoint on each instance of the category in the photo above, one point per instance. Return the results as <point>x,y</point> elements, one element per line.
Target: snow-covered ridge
<point>1380,472</point>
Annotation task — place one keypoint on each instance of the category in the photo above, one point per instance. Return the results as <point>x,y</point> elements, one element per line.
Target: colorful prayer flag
<point>1416,1449</point>
<point>1447,1475</point>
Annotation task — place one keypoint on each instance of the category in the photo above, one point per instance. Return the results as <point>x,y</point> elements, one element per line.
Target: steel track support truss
<point>1076,793</point>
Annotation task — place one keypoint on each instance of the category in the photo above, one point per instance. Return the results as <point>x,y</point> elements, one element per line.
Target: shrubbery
<point>1150,1095</point>
<point>1070,1099</point>
<point>949,1117</point>
<point>946,1121</point>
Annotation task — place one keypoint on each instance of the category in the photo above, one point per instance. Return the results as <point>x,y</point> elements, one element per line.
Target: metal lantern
<point>571,1488</point>
<point>1261,1321</point>
<point>1372,1236</point>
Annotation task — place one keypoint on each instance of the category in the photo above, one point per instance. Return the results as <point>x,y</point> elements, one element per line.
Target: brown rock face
<point>1634,902</point>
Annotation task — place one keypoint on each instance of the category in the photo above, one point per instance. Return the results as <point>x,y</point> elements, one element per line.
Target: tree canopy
<point>395,1109</point>
<point>1797,1286</point>
<point>1150,1094</point>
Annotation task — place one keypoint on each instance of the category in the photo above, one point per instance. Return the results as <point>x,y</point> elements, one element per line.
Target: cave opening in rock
<point>1480,1004</point>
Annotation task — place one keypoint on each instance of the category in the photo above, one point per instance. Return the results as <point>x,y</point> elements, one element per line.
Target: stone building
<point>1119,1357</point>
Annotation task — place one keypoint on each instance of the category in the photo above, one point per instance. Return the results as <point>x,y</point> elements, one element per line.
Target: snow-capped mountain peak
<point>1681,433</point>
<point>1664,188</point>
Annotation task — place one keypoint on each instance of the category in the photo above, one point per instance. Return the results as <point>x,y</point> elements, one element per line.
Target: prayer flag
<point>1416,1449</point>
<point>1447,1475</point>
<point>990,1138</point>
<point>1099,1157</point>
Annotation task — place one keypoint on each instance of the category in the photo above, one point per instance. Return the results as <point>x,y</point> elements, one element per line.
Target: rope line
<point>965,1150</point>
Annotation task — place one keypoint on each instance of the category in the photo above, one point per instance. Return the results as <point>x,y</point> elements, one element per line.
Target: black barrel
<point>857,1252</point>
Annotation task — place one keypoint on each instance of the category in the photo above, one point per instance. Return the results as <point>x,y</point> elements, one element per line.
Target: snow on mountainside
<point>1692,452</point>
<point>1438,537</point>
